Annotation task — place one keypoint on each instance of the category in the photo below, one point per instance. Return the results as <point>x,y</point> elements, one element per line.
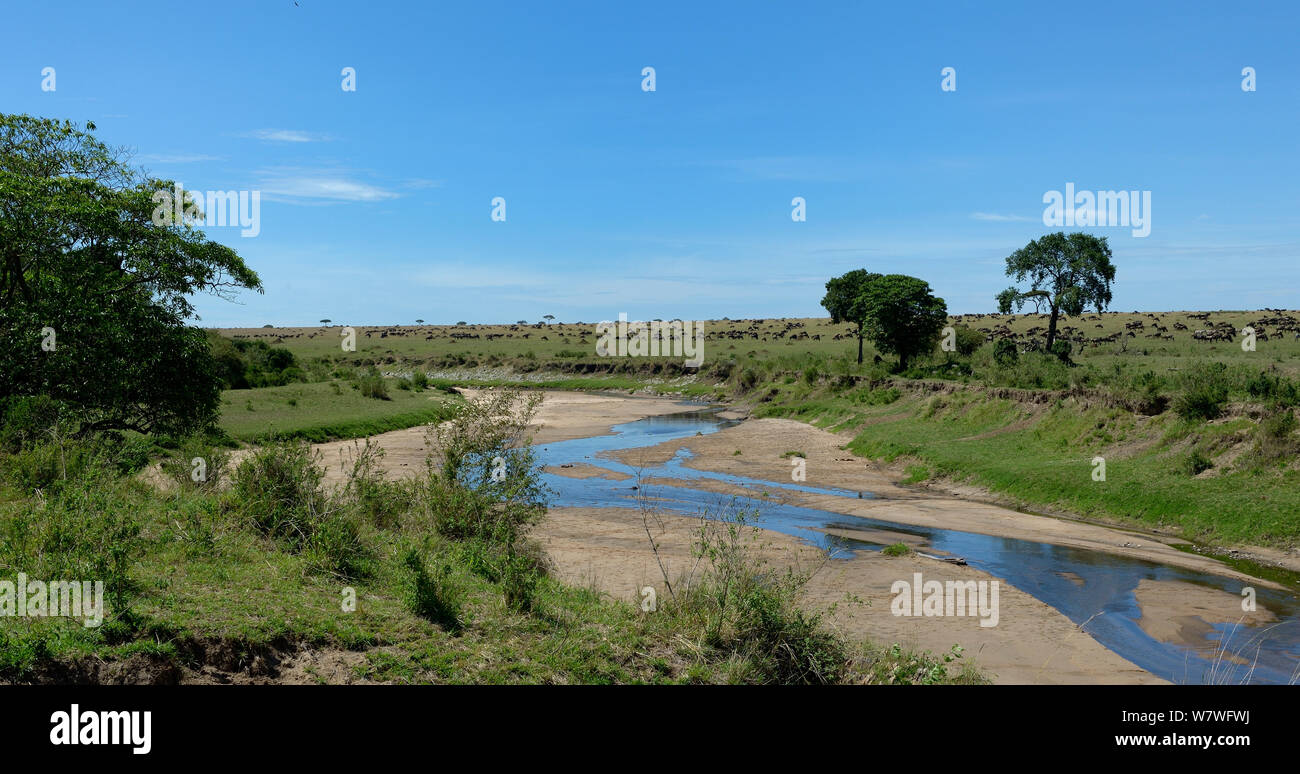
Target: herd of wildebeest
<point>1027,330</point>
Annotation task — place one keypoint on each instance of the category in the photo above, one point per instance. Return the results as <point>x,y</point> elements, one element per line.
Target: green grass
<point>202,587</point>
<point>1042,458</point>
<point>323,411</point>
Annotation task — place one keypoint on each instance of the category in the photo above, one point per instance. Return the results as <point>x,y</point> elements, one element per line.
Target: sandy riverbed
<point>609,548</point>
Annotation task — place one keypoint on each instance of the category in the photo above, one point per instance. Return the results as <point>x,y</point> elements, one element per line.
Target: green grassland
<point>571,347</point>
<point>1027,431</point>
<point>320,411</point>
<point>201,580</point>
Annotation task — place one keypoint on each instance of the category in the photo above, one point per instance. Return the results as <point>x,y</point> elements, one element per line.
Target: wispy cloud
<point>299,186</point>
<point>996,218</point>
<point>286,135</point>
<point>177,158</point>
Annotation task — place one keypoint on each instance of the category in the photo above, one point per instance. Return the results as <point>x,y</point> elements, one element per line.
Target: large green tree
<point>845,300</point>
<point>1066,274</point>
<point>903,317</point>
<point>94,296</point>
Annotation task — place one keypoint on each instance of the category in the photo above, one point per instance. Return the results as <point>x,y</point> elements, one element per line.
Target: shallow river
<point>1101,591</point>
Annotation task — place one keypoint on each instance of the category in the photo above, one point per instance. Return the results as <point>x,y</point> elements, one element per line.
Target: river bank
<point>609,549</point>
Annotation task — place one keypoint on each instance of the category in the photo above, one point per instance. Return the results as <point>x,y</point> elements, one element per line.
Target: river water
<point>1100,593</point>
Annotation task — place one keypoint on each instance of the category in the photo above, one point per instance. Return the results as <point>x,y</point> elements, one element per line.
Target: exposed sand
<point>583,470</point>
<point>609,548</point>
<point>561,417</point>
<point>764,441</point>
<point>1182,613</point>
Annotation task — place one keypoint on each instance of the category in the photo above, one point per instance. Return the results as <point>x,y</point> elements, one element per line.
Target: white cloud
<point>302,186</point>
<point>177,158</point>
<point>285,135</point>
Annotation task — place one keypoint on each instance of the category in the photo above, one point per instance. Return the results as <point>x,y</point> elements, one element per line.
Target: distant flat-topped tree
<point>1066,273</point>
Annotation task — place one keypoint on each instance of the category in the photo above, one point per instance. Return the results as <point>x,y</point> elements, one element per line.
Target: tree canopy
<point>897,312</point>
<point>903,317</point>
<point>846,301</point>
<point>1065,273</point>
<point>94,296</point>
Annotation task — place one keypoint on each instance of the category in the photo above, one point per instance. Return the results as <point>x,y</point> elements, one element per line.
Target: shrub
<point>969,340</point>
<point>1005,352</point>
<point>747,379</point>
<point>1197,463</point>
<point>1273,437</point>
<point>1277,390</point>
<point>372,386</point>
<point>1061,349</point>
<point>1205,391</point>
<point>29,420</point>
<point>742,610</point>
<point>335,546</point>
<point>197,463</point>
<point>278,487</point>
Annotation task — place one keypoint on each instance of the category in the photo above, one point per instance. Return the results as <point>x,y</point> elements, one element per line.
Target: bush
<point>1204,394</point>
<point>1061,349</point>
<point>1197,463</point>
<point>969,340</point>
<point>279,490</point>
<point>29,420</point>
<point>335,546</point>
<point>743,611</point>
<point>372,386</point>
<point>1273,437</point>
<point>747,379</point>
<point>488,491</point>
<point>1278,391</point>
<point>197,464</point>
<point>1005,352</point>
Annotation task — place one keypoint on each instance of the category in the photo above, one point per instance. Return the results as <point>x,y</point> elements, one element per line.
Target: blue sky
<point>676,203</point>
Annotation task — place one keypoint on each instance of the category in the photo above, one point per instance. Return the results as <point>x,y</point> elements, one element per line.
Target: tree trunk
<point>1051,328</point>
<point>859,346</point>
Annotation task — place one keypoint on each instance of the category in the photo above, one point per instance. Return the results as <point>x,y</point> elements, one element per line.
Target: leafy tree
<point>325,322</point>
<point>902,317</point>
<point>969,340</point>
<point>1066,274</point>
<point>93,294</point>
<point>845,300</point>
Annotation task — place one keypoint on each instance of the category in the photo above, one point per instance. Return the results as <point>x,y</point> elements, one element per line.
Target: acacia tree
<point>902,317</point>
<point>1066,274</point>
<point>94,296</point>
<point>845,300</point>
